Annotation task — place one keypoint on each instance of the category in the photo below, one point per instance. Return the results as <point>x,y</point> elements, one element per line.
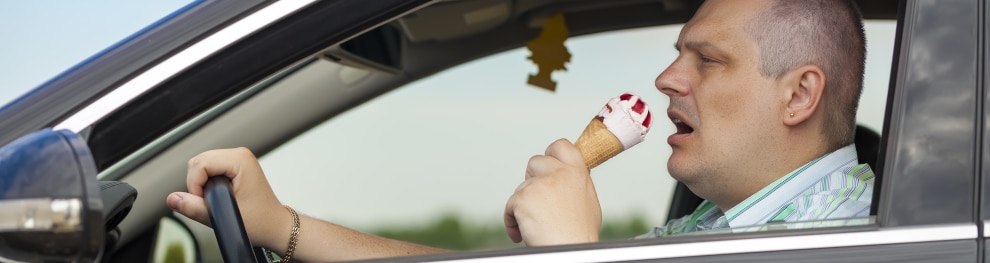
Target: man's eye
<point>705,59</point>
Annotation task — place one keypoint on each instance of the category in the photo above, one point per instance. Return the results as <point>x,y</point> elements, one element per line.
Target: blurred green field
<point>450,232</point>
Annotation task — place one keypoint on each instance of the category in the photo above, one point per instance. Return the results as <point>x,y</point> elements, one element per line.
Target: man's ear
<point>805,86</point>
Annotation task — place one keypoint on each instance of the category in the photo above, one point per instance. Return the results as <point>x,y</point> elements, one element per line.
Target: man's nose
<point>673,81</point>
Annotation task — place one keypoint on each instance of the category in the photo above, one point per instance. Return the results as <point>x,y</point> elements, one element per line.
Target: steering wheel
<point>227,224</point>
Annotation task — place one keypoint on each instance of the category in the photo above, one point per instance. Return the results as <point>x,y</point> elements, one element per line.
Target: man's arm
<point>324,241</point>
<point>268,223</point>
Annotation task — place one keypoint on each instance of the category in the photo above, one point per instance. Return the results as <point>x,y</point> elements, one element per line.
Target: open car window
<point>435,161</point>
<point>456,143</point>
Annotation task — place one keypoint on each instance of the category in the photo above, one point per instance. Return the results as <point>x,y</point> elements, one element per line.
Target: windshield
<point>44,39</point>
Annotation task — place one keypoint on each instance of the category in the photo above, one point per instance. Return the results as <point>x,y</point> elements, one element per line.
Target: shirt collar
<point>776,195</point>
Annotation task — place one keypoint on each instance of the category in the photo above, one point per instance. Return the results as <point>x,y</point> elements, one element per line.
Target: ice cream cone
<point>621,124</point>
<point>597,144</point>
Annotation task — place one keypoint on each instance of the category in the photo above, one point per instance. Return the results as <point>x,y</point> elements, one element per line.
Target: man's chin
<point>686,167</point>
<point>679,168</point>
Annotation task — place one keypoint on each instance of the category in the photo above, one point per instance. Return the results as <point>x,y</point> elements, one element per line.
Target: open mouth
<point>682,128</point>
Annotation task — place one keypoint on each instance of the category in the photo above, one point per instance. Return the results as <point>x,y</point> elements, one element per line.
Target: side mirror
<point>379,49</point>
<point>53,207</point>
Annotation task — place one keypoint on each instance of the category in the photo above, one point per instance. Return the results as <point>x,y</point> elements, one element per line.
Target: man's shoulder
<point>837,188</point>
<point>834,185</point>
<point>845,193</point>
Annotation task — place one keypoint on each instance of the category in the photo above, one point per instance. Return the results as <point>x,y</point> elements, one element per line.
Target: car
<point>263,73</point>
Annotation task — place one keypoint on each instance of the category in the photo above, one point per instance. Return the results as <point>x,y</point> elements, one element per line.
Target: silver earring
<point>792,114</point>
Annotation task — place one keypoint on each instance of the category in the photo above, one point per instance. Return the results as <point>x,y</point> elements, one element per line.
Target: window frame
<point>952,233</point>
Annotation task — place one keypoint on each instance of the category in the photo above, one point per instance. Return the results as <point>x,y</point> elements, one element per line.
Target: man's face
<point>721,105</point>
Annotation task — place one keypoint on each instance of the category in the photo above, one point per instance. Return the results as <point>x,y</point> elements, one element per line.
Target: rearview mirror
<point>379,49</point>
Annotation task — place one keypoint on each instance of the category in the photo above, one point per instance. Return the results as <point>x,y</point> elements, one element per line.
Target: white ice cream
<point>628,118</point>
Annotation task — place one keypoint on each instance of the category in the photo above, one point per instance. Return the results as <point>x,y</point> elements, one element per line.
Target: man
<point>763,95</point>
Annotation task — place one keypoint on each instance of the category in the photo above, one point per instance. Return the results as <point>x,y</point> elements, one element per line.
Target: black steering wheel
<point>227,223</point>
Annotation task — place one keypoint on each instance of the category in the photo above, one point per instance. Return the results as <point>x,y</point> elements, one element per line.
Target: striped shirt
<point>830,187</point>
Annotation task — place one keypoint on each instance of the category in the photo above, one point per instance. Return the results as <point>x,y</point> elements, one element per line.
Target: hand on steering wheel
<point>227,224</point>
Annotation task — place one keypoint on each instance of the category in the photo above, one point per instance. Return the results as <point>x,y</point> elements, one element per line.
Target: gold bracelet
<point>292,239</point>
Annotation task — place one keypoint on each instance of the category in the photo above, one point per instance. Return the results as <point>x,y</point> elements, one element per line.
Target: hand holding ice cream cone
<point>557,203</point>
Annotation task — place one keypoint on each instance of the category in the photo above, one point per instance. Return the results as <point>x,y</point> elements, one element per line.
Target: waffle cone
<point>597,144</point>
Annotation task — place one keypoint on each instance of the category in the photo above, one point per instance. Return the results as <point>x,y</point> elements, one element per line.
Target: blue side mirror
<point>50,200</point>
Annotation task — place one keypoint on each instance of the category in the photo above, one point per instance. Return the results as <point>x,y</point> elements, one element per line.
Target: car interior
<point>343,76</point>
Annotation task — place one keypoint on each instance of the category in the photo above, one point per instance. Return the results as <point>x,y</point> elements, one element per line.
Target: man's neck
<point>744,185</point>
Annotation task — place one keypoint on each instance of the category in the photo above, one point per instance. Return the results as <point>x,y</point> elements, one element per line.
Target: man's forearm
<point>324,241</point>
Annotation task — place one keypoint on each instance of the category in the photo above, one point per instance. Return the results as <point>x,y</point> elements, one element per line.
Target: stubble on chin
<point>681,170</point>
<point>695,173</point>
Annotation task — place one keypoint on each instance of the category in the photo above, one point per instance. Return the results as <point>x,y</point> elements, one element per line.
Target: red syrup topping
<point>649,118</point>
<point>639,107</point>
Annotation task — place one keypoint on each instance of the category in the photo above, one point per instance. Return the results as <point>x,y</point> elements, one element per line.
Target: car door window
<point>444,153</point>
<point>455,144</point>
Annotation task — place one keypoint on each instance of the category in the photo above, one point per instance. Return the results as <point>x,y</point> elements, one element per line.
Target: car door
<point>914,220</point>
<point>984,158</point>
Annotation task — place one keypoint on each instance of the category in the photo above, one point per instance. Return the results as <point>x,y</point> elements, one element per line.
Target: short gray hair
<point>826,33</point>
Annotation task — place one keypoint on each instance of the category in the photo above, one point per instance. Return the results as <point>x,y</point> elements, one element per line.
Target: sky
<point>353,187</point>
<point>44,38</point>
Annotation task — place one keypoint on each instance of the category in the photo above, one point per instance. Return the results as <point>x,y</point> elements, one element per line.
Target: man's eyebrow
<point>696,45</point>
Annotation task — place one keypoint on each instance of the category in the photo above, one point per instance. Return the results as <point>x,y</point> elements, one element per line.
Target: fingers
<point>561,152</point>
<point>540,165</point>
<point>191,206</point>
<point>511,225</point>
<point>216,162</point>
<point>566,152</point>
<point>254,195</point>
<point>557,203</point>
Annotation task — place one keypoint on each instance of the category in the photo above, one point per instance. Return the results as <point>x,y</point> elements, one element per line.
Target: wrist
<point>275,230</point>
<point>282,235</point>
<point>284,243</point>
